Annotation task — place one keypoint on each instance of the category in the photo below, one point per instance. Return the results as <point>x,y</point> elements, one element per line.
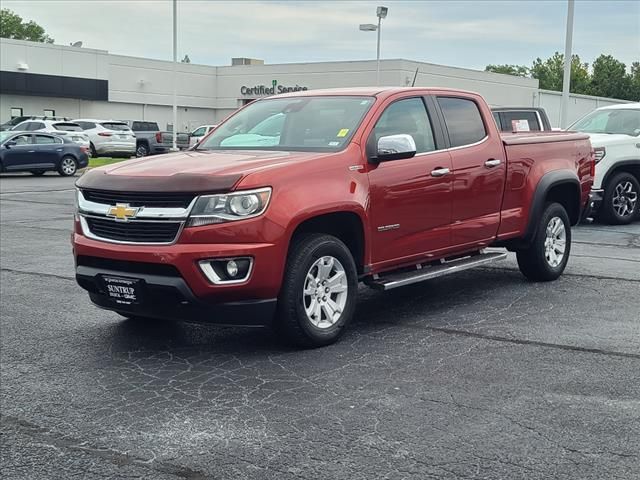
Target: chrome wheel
<point>325,292</point>
<point>555,242</point>
<point>141,151</point>
<point>624,199</point>
<point>68,166</point>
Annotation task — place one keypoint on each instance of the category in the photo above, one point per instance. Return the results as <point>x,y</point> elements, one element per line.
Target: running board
<point>392,281</point>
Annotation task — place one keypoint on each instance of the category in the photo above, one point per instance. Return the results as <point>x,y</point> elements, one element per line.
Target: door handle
<point>492,162</point>
<point>440,172</point>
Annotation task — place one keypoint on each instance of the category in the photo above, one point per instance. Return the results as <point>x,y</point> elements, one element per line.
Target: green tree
<point>518,70</point>
<point>610,79</point>
<point>12,26</point>
<point>635,81</point>
<point>550,73</point>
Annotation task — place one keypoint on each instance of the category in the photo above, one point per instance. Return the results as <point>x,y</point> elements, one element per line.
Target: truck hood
<point>607,139</point>
<point>193,171</point>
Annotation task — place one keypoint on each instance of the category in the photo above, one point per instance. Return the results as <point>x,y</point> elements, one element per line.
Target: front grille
<point>136,232</point>
<point>137,199</point>
<point>127,266</point>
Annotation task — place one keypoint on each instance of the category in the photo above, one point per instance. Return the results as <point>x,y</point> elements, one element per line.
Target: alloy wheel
<point>555,242</point>
<point>325,292</point>
<point>625,199</point>
<point>68,166</point>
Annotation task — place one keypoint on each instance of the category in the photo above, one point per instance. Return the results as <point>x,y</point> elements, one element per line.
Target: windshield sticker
<point>343,133</point>
<point>334,144</point>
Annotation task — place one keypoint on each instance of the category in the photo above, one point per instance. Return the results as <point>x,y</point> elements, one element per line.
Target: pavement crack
<point>54,440</point>
<point>38,274</point>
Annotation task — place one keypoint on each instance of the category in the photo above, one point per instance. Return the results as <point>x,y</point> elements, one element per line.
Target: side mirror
<point>395,147</point>
<point>10,143</point>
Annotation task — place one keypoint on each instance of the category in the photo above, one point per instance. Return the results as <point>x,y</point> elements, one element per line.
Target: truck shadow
<point>425,303</point>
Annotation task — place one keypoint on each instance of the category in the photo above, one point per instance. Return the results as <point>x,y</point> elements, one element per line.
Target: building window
<point>16,112</point>
<point>49,113</point>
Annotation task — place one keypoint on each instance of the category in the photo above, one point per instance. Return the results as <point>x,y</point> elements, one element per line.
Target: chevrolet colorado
<point>385,186</point>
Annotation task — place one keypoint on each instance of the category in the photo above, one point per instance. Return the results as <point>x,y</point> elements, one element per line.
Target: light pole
<point>381,12</point>
<point>175,61</point>
<point>566,79</point>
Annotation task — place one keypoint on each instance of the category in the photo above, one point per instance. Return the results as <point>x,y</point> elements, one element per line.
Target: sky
<point>467,34</point>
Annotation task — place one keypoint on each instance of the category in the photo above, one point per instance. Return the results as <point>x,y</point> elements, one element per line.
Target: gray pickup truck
<point>150,140</point>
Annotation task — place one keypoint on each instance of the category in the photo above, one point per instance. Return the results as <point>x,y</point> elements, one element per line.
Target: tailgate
<point>181,139</point>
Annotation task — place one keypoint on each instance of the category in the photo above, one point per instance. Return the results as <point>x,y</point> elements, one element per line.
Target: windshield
<point>6,134</point>
<point>291,124</point>
<point>623,121</point>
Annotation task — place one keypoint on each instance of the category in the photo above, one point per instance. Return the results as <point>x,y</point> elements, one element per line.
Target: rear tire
<point>68,166</point>
<point>142,150</point>
<point>547,256</point>
<point>319,290</point>
<point>621,201</point>
<point>92,147</point>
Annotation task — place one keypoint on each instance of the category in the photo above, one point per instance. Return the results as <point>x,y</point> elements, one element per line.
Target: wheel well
<point>142,140</point>
<point>567,195</point>
<point>346,226</point>
<point>632,168</point>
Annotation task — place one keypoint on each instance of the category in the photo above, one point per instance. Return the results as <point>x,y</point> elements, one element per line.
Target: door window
<point>463,120</point>
<point>22,139</point>
<point>407,117</point>
<point>198,132</point>
<point>35,126</point>
<point>46,139</point>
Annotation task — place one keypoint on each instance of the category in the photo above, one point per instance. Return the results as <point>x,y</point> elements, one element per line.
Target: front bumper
<point>170,298</point>
<point>593,205</point>
<point>174,287</point>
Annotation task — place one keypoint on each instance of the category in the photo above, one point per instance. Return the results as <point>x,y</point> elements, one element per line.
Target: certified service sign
<point>272,90</point>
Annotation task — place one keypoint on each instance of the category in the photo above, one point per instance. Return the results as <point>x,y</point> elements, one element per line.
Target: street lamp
<point>381,12</point>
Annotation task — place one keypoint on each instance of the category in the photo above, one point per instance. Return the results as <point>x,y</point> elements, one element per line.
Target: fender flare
<point>616,167</point>
<point>547,182</point>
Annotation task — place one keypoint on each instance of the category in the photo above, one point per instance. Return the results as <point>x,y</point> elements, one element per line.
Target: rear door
<point>410,198</point>
<point>48,149</point>
<point>479,169</point>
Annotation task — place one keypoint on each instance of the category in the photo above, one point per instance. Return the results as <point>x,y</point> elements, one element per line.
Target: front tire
<point>319,291</point>
<point>547,256</point>
<point>142,150</point>
<point>621,199</point>
<point>68,166</point>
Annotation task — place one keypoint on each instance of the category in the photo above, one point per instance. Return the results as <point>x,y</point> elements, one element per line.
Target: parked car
<point>40,152</point>
<point>535,119</point>
<point>16,120</point>
<point>150,140</point>
<point>65,128</point>
<point>615,136</point>
<point>199,133</point>
<point>361,186</point>
<point>109,138</point>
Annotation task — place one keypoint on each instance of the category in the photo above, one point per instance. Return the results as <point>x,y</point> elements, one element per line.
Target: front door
<point>20,154</point>
<point>410,198</point>
<point>479,170</point>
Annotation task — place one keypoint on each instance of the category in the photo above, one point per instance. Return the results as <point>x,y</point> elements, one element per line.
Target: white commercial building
<point>39,79</point>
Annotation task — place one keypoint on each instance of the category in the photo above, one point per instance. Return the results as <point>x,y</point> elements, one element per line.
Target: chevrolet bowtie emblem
<point>122,212</point>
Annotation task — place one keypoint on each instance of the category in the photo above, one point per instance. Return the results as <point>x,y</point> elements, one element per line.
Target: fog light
<point>227,270</point>
<point>232,268</point>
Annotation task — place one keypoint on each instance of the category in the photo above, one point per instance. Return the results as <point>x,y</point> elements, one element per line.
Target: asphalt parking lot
<point>479,375</point>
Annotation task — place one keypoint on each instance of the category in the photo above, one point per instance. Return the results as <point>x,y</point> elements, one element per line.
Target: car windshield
<point>623,121</point>
<point>291,124</point>
<point>6,134</point>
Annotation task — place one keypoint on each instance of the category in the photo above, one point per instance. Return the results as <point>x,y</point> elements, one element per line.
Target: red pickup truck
<point>281,211</point>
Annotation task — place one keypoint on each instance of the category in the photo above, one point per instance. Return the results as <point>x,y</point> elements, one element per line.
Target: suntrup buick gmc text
<point>278,214</point>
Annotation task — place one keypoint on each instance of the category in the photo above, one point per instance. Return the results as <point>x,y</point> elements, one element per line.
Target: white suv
<point>70,130</point>
<point>109,137</point>
<point>615,136</point>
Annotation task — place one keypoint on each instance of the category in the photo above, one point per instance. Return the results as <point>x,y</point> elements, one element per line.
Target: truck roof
<point>367,91</point>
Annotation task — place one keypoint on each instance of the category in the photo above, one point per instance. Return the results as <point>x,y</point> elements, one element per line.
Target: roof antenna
<point>413,84</point>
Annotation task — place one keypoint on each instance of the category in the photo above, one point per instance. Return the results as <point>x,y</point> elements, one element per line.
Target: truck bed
<point>541,137</point>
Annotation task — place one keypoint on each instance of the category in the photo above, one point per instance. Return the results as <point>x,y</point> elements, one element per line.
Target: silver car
<point>110,138</point>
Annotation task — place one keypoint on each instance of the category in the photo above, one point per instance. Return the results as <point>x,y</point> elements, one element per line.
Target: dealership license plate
<point>123,290</point>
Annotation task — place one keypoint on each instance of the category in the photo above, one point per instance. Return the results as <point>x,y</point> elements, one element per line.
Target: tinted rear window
<point>144,127</point>
<point>122,127</point>
<point>463,119</point>
<point>86,125</point>
<point>530,117</point>
<point>67,127</point>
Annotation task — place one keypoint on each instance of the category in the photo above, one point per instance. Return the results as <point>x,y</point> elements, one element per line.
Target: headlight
<point>229,207</point>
